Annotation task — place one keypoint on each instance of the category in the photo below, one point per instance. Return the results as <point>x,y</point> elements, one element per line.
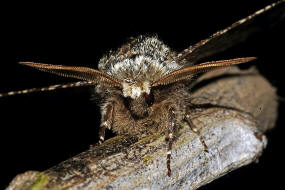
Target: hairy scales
<point>153,119</point>
<point>137,65</point>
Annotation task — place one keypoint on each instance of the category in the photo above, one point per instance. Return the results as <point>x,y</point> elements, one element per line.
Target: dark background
<point>40,130</point>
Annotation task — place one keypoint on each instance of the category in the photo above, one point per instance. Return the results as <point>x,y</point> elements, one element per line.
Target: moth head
<point>135,89</point>
<point>138,97</point>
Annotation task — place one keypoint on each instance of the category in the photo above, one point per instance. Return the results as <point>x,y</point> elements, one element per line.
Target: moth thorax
<point>135,89</point>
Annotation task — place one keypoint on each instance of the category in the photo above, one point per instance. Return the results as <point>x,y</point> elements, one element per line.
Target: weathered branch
<point>237,107</point>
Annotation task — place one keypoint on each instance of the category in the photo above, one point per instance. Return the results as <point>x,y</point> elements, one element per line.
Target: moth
<point>144,85</point>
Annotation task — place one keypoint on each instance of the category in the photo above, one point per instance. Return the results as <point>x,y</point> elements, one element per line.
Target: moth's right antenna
<point>82,73</point>
<point>89,76</point>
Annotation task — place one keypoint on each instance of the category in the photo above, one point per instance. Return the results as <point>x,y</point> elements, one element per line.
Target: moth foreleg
<point>170,130</point>
<point>195,130</point>
<point>107,120</point>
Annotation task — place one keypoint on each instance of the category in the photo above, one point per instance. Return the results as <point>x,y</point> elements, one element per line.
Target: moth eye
<point>149,98</point>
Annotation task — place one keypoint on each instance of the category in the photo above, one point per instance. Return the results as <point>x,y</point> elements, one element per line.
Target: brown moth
<point>144,85</point>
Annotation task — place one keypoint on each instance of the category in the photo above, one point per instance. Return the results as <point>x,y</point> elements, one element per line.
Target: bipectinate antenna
<point>188,72</point>
<point>89,76</point>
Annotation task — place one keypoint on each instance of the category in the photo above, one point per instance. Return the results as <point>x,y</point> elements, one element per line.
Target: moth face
<point>138,98</point>
<point>135,89</point>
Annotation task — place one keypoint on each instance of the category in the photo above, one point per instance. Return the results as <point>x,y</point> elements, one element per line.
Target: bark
<point>236,108</point>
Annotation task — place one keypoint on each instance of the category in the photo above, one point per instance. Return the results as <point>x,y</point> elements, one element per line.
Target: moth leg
<point>106,123</point>
<point>196,131</point>
<point>170,126</point>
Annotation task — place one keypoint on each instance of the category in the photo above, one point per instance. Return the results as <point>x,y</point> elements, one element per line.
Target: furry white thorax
<point>141,67</point>
<point>136,74</point>
<point>147,59</point>
<point>138,64</point>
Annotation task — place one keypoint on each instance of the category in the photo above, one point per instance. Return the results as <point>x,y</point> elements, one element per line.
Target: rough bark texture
<point>243,106</point>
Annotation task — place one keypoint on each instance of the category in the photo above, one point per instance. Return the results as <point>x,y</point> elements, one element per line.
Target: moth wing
<point>234,34</point>
<point>48,88</point>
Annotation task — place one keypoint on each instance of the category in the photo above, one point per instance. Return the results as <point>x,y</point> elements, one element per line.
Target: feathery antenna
<point>187,72</point>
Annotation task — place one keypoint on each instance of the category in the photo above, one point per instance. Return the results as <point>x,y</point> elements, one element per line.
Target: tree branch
<point>232,110</point>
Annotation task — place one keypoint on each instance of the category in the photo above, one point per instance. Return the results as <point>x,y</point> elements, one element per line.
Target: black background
<point>42,129</point>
